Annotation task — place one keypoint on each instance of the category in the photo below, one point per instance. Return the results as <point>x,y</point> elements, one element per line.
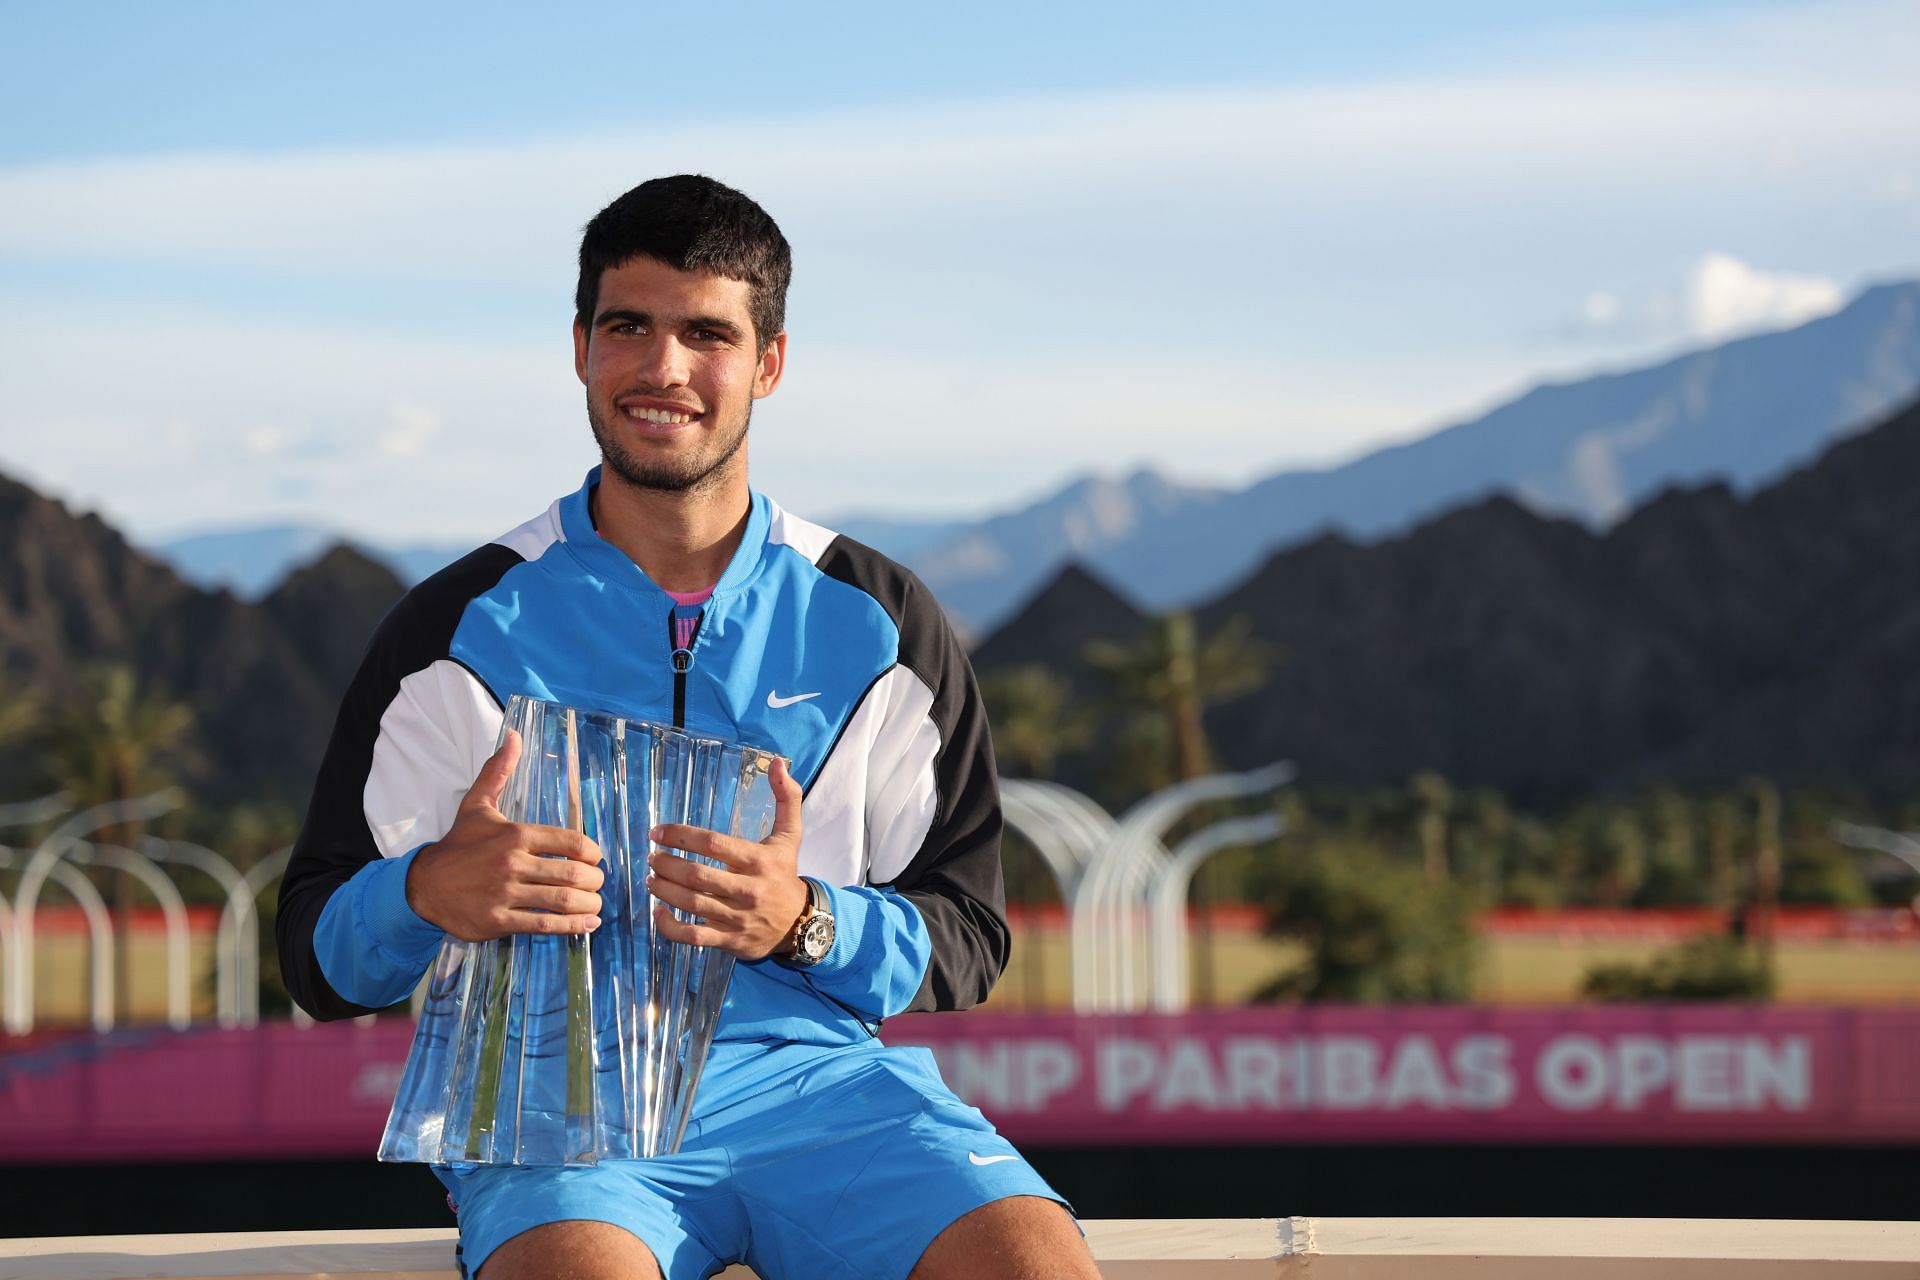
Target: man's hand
<point>749,903</point>
<point>487,877</point>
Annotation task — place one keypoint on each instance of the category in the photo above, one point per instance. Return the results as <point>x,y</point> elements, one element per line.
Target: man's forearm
<point>370,946</point>
<point>880,953</point>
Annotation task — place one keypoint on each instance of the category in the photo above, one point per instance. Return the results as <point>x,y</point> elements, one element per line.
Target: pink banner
<point>1602,1074</point>
<point>1461,1074</point>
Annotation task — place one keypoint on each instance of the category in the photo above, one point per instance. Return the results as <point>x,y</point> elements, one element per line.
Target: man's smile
<point>657,417</point>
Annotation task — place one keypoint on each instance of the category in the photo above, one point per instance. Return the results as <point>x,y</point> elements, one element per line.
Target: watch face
<point>815,940</point>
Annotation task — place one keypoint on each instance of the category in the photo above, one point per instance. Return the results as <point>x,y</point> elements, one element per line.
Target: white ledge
<point>1132,1249</point>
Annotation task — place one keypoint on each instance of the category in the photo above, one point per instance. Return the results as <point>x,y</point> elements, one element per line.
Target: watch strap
<point>818,906</point>
<point>818,903</point>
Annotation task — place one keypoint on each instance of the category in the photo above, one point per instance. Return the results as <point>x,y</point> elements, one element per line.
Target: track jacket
<point>812,646</point>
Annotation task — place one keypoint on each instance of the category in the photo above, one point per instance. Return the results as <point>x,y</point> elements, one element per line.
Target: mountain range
<point>1744,412</point>
<point>1479,601</point>
<point>263,678</point>
<point>251,560</point>
<point>1709,636</point>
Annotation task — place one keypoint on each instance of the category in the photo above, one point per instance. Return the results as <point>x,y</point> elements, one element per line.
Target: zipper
<point>682,660</point>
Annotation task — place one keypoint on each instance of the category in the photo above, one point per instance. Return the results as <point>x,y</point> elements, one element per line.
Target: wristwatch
<point>812,934</point>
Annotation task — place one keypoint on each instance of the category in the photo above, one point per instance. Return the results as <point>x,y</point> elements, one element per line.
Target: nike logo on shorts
<point>979,1159</point>
<point>775,701</point>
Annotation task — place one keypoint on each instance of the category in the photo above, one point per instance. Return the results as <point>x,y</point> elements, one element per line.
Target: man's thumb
<point>786,801</point>
<point>486,789</point>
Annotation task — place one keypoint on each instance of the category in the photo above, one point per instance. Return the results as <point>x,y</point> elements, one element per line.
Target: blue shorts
<point>810,1161</point>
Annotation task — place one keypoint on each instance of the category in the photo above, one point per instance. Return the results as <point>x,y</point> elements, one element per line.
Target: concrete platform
<point>1136,1249</point>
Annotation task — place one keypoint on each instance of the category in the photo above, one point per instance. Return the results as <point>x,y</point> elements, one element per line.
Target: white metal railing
<point>99,947</point>
<point>1904,845</point>
<point>236,945</point>
<point>1168,903</point>
<point>261,876</point>
<point>1124,891</point>
<point>173,909</point>
<point>64,841</point>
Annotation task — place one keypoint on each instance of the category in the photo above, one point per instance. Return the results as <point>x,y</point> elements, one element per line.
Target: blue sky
<point>259,263</point>
<point>127,77</point>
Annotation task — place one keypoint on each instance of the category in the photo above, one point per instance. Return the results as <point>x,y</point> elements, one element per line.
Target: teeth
<point>661,417</point>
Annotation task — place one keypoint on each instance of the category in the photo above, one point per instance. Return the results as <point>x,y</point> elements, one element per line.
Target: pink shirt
<point>683,624</point>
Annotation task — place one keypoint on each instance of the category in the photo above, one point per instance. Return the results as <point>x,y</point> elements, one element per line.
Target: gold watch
<point>812,934</point>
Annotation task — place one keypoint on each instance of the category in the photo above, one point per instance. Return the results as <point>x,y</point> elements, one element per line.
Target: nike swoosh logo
<point>775,701</point>
<point>989,1159</point>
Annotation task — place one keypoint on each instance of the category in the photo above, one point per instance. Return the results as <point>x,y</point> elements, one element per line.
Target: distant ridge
<point>1744,413</point>
<point>251,560</point>
<point>1706,638</point>
<point>264,680</point>
<point>1592,449</point>
<point>1072,611</point>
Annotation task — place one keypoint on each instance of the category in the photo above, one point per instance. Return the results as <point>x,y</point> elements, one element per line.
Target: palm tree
<point>1432,803</point>
<point>111,742</point>
<point>1766,865</point>
<point>1723,832</point>
<point>20,712</point>
<point>108,742</point>
<point>1166,682</point>
<point>1171,675</point>
<point>1034,722</point>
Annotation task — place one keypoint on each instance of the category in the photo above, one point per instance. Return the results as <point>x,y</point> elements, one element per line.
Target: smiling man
<point>666,589</point>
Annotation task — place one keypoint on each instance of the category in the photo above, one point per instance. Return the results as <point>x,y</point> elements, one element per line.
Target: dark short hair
<point>691,223</point>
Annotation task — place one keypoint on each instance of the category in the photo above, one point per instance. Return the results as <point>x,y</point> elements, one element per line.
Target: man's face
<point>672,368</point>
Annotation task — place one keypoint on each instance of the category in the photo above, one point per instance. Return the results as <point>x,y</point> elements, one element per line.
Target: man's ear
<point>580,351</point>
<point>773,363</point>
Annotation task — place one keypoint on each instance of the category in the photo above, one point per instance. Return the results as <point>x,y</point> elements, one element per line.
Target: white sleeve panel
<point>531,540</point>
<point>884,763</point>
<point>786,529</point>
<point>436,733</point>
<point>873,802</point>
<point>902,800</point>
<point>833,840</point>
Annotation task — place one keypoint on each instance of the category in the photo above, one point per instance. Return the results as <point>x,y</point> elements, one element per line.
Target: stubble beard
<point>691,475</point>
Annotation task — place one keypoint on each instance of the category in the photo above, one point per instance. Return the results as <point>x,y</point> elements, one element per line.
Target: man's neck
<point>681,541</point>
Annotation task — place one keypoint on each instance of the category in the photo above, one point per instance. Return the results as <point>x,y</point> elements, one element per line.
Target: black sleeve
<point>954,879</point>
<point>335,839</point>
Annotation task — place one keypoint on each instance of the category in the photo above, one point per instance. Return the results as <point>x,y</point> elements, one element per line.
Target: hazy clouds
<point>989,295</point>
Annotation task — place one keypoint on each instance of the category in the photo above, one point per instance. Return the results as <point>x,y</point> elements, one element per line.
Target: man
<point>666,589</point>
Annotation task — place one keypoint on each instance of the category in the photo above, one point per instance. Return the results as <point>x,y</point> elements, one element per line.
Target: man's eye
<point>709,335</point>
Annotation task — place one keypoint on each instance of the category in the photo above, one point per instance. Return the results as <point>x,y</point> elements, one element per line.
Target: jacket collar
<point>610,564</point>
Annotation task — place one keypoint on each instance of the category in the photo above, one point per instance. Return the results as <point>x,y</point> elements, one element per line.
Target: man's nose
<point>665,364</point>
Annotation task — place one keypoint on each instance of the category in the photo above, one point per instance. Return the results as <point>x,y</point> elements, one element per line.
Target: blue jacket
<point>902,812</point>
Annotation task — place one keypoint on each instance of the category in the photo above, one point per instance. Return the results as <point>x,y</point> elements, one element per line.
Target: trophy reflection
<point>568,1050</point>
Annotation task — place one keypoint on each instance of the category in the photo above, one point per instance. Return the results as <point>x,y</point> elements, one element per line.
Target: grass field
<point>60,979</point>
<point>1513,970</point>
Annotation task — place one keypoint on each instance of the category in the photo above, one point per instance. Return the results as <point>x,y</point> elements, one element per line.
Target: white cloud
<point>410,428</point>
<point>1717,298</point>
<point>354,445</point>
<point>988,296</point>
<point>1725,296</point>
<point>284,421</point>
<point>1639,117</point>
<point>419,213</point>
<point>265,441</point>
